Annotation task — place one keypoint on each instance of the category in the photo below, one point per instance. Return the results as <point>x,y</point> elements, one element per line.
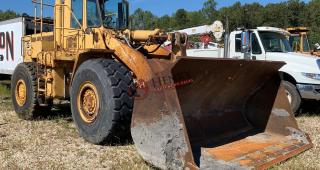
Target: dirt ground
<point>52,142</point>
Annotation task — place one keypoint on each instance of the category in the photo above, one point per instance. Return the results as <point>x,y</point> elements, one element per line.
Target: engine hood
<point>296,62</point>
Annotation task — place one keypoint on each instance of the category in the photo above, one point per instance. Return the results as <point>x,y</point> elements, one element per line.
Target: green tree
<point>9,14</point>
<point>141,19</point>
<point>209,11</point>
<point>296,12</point>
<point>196,18</point>
<point>253,15</point>
<point>165,23</point>
<point>313,20</point>
<point>181,19</point>
<point>234,14</point>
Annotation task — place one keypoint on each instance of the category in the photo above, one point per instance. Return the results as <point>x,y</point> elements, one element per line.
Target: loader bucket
<point>215,114</point>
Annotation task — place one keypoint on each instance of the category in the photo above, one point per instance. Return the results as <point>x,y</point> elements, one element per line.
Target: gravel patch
<point>55,144</point>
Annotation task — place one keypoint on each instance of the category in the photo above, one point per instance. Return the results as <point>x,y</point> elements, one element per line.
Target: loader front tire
<point>24,88</point>
<point>101,101</point>
<point>293,96</point>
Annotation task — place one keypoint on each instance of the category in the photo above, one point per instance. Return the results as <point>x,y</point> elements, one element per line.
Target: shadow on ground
<point>310,108</point>
<point>58,112</point>
<point>63,112</point>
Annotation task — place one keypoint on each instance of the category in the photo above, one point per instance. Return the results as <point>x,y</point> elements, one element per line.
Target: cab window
<point>256,49</point>
<point>93,18</point>
<point>77,8</point>
<point>238,43</point>
<point>116,14</point>
<point>306,47</point>
<point>294,41</point>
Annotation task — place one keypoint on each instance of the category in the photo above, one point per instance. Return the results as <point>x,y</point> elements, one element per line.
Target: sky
<point>158,7</point>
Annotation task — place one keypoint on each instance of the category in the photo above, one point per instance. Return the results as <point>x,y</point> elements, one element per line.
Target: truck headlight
<point>312,76</point>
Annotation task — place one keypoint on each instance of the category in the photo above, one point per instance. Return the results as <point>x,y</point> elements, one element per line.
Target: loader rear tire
<point>293,96</point>
<point>101,101</point>
<point>24,88</point>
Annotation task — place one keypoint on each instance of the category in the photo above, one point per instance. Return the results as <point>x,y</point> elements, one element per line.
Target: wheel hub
<point>21,93</point>
<point>88,102</point>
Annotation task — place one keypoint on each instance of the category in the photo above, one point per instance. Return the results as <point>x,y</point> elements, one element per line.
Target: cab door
<point>235,45</point>
<point>256,50</point>
<point>73,33</point>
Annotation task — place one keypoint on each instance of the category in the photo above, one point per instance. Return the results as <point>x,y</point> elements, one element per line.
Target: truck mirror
<point>245,42</point>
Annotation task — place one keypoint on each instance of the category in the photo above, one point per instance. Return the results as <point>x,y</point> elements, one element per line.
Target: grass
<point>309,159</point>
<point>4,91</point>
<point>53,142</point>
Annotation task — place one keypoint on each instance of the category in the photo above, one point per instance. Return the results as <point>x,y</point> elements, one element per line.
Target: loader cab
<point>78,22</point>
<point>299,39</point>
<point>113,14</point>
<point>96,13</point>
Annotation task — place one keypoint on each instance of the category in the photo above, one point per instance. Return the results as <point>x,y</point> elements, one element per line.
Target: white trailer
<point>11,33</point>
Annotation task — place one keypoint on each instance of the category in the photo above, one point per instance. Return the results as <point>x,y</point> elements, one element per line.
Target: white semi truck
<point>301,74</point>
<point>11,32</point>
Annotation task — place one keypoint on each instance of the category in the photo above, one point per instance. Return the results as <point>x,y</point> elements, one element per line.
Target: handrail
<point>44,4</point>
<point>63,6</point>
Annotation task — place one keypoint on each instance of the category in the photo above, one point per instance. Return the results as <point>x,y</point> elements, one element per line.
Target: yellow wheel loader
<point>299,41</point>
<point>183,112</point>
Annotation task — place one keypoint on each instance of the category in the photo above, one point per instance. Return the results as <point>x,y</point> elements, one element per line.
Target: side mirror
<point>245,42</point>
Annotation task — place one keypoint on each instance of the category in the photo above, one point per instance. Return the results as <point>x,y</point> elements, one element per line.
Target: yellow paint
<point>21,93</point>
<point>61,52</point>
<point>88,102</point>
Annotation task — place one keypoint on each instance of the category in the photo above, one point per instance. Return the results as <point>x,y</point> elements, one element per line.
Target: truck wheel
<point>24,92</point>
<point>293,96</point>
<point>101,101</point>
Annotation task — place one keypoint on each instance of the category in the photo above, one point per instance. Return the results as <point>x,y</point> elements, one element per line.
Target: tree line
<point>9,14</point>
<point>291,13</point>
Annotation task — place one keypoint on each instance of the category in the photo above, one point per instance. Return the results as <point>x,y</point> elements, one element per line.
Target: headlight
<point>312,76</point>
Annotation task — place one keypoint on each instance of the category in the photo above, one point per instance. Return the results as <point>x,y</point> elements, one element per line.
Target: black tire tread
<point>295,95</point>
<point>34,110</point>
<point>122,83</point>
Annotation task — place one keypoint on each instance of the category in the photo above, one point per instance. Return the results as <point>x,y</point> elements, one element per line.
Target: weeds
<point>4,91</point>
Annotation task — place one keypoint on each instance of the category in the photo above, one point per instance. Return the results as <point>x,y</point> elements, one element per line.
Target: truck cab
<point>301,74</point>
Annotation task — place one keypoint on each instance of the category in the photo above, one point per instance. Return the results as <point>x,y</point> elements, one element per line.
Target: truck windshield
<point>275,42</point>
